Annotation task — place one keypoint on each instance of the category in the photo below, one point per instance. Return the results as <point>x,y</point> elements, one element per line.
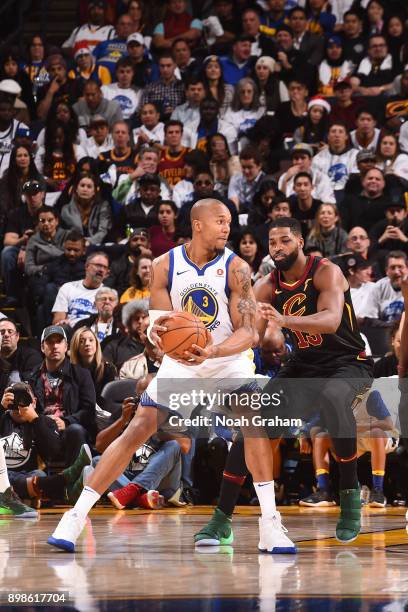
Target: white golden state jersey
<point>202,291</point>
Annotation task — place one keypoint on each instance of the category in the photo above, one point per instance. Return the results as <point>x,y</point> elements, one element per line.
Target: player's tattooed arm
<point>246,304</point>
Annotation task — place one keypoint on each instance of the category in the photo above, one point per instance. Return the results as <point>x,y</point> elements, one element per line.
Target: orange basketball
<point>183,330</point>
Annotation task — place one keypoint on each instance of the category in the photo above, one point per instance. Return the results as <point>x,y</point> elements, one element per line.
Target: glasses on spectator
<point>7,332</point>
<point>355,238</point>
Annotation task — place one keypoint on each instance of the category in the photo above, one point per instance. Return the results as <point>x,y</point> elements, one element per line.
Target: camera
<point>22,396</point>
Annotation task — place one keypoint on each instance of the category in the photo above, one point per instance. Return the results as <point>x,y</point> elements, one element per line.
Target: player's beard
<point>285,264</point>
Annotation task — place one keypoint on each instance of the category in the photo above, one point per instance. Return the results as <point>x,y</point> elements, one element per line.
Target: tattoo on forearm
<point>246,305</point>
<point>151,277</point>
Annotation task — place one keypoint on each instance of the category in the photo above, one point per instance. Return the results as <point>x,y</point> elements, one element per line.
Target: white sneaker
<point>67,531</point>
<point>272,538</point>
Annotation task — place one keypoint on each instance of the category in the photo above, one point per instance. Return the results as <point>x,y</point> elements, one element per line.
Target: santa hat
<point>319,101</point>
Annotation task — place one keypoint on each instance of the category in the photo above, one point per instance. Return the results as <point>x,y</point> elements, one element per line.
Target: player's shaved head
<point>206,208</point>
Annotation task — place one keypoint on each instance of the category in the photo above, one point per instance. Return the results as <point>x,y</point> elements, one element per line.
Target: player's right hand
<point>158,328</point>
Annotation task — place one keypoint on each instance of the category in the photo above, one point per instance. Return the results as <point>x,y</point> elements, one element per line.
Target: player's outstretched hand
<point>270,313</point>
<point>197,354</point>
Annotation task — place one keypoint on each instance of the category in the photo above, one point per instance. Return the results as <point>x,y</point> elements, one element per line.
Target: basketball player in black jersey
<point>310,297</point>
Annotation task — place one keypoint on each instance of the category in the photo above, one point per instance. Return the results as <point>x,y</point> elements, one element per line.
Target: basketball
<point>183,330</point>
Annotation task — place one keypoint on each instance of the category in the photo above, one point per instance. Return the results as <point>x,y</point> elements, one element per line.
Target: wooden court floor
<point>140,560</point>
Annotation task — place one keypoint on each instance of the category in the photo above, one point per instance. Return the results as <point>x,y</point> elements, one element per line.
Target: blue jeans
<point>162,473</point>
<point>11,274</point>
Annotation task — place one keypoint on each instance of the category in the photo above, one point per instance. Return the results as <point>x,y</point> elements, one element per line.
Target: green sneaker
<point>74,471</point>
<point>74,489</point>
<point>12,506</point>
<point>348,525</point>
<point>217,532</point>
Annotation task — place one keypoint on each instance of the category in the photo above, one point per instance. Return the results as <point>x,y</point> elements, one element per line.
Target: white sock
<point>4,481</point>
<point>265,492</point>
<point>86,500</point>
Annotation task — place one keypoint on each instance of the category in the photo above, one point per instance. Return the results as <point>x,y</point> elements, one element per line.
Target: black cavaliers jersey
<point>327,351</point>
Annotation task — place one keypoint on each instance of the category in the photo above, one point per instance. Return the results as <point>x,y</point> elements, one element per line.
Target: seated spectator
<point>34,62</point>
<point>369,205</point>
<point>249,248</point>
<point>222,164</point>
<point>390,159</point>
<point>274,15</point>
<point>310,45</point>
<point>190,110</point>
<point>366,160</point>
<point>272,91</point>
<point>388,365</point>
<point>303,205</point>
<point>139,278</point>
<point>108,52</point>
<point>334,68</point>
<point>99,140</point>
<point>176,24</point>
<point>142,211</point>
<point>386,302</point>
<point>56,160</point>
<point>376,72</point>
<point>366,135</point>
<point>168,91</point>
<point>142,64</point>
<point>92,32</point>
<point>151,132</point>
<point>344,109</point>
<point>186,64</point>
<point>242,187</point>
<point>85,351</point>
<point>262,202</point>
<point>314,130</point>
<point>19,358</point>
<point>103,323</point>
<point>278,208</point>
<point>128,187</point>
<point>338,160</point>
<point>85,68</point>
<point>93,103</point>
<point>20,226</point>
<point>326,235</point>
<point>121,158</point>
<point>268,357</point>
<point>226,13</point>
<point>197,133</point>
<point>173,153</point>
<point>162,235</point>
<point>44,245</point>
<point>358,272</point>
<point>137,244</point>
<point>375,17</point>
<point>391,233</point>
<point>137,12</point>
<point>204,188</point>
<point>20,170</point>
<point>396,107</point>
<point>319,19</point>
<point>76,300</point>
<point>65,394</point>
<point>245,109</point>
<point>59,89</point>
<point>87,212</point>
<point>302,156</point>
<point>64,113</point>
<point>10,69</point>
<point>122,90</point>
<point>354,39</point>
<point>194,162</point>
<point>291,63</point>
<point>10,129</point>
<point>68,267</point>
<point>135,320</point>
<point>292,114</point>
<point>238,64</point>
<point>215,86</point>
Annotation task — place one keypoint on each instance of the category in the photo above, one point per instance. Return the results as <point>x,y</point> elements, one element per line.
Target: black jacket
<point>119,350</point>
<point>61,271</point>
<point>119,274</point>
<point>79,396</point>
<point>24,360</point>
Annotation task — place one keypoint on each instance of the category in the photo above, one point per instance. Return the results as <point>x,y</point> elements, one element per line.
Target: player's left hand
<point>270,313</point>
<point>200,354</point>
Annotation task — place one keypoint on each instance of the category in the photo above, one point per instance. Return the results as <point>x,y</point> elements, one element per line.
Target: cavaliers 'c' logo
<point>289,307</point>
<point>201,303</point>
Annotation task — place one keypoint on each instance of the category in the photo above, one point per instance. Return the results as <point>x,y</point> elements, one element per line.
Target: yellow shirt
<point>134,294</point>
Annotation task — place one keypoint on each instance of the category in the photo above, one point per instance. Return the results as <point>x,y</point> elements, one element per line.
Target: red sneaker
<point>152,500</point>
<point>126,496</point>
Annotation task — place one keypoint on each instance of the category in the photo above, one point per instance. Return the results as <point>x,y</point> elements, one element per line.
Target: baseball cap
<point>82,51</point>
<point>135,37</point>
<point>355,262</point>
<point>344,84</point>
<point>335,40</point>
<point>150,179</point>
<point>366,155</point>
<point>302,147</point>
<point>395,204</point>
<point>10,86</point>
<point>53,329</point>
<point>139,231</point>
<point>96,119</point>
<point>34,186</point>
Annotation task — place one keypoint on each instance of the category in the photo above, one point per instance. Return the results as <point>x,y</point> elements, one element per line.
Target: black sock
<point>346,457</point>
<point>235,472</point>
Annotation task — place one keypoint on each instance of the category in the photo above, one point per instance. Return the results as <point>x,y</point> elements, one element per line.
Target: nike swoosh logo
<point>277,291</point>
<point>183,272</point>
<point>263,485</point>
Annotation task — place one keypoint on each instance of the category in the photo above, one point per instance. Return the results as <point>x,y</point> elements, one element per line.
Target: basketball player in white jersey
<point>206,278</point>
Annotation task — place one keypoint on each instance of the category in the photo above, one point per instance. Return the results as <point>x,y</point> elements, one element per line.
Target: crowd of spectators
<point>277,108</point>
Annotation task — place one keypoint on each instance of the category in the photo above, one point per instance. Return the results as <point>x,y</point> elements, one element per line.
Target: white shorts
<point>181,388</point>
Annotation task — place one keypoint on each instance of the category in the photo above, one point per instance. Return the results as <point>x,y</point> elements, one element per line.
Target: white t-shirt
<point>88,35</point>
<point>128,99</point>
<point>361,298</point>
<point>76,300</point>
